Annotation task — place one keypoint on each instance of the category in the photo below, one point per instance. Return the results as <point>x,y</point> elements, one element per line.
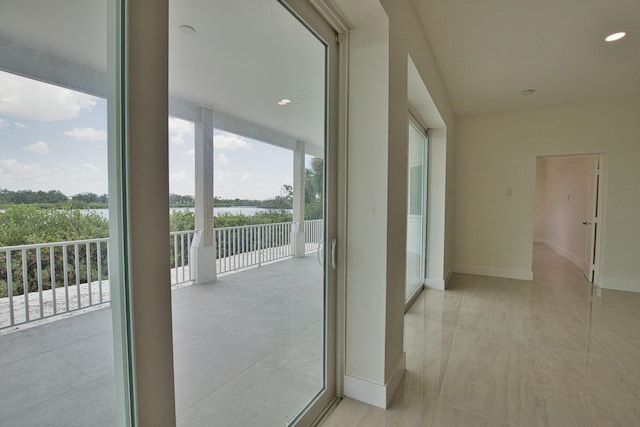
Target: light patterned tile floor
<point>500,352</point>
<point>247,352</point>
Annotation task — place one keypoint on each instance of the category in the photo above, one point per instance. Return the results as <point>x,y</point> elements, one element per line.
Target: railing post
<point>10,287</point>
<point>25,285</point>
<point>259,246</point>
<point>52,271</point>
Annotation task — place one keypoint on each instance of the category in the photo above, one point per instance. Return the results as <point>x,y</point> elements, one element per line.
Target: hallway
<point>502,352</point>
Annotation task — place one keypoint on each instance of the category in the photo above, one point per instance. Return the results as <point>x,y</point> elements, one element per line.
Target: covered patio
<point>248,350</point>
<point>248,342</point>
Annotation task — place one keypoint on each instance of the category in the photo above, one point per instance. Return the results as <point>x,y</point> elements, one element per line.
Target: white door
<point>591,218</point>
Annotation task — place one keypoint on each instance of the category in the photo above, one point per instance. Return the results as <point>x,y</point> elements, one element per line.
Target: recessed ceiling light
<point>284,101</point>
<point>615,36</point>
<point>528,92</point>
<point>187,29</point>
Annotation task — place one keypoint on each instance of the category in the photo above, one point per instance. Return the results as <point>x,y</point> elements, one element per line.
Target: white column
<point>203,250</point>
<point>374,360</point>
<point>297,232</point>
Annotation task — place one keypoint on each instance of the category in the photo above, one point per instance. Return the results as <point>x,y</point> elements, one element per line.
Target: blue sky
<point>55,139</point>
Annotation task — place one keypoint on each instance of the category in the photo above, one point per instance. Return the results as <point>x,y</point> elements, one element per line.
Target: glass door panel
<point>247,172</point>
<point>56,281</point>
<point>415,210</point>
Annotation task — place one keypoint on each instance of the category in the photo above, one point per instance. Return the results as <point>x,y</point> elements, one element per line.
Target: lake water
<point>233,210</point>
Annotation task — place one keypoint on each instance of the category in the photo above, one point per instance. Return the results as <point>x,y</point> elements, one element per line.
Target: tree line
<point>314,191</point>
<point>52,198</point>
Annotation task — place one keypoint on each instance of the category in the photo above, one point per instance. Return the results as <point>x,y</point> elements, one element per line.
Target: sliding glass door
<point>62,258</point>
<point>250,153</point>
<point>416,208</point>
<point>199,212</point>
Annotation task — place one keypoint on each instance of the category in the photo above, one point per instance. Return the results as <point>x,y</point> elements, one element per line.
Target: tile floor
<point>501,352</point>
<point>247,352</point>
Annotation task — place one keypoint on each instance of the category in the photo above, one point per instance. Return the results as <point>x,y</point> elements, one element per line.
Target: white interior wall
<point>436,114</point>
<point>422,106</point>
<point>367,203</point>
<point>497,151</point>
<point>437,236</point>
<point>406,40</point>
<point>377,186</point>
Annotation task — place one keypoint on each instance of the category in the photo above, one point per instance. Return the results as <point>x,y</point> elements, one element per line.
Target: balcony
<point>253,332</point>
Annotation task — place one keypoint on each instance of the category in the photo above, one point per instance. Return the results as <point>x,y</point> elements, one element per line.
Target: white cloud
<point>87,134</point>
<point>70,178</point>
<point>230,142</point>
<point>14,167</point>
<point>181,183</point>
<point>91,168</point>
<point>39,147</point>
<point>222,159</point>
<point>4,124</point>
<point>16,175</point>
<point>79,178</point>
<point>191,153</point>
<point>180,131</point>
<point>20,125</point>
<point>34,100</point>
<point>244,184</point>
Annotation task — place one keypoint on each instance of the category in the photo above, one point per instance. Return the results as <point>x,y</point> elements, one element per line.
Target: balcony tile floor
<point>247,352</point>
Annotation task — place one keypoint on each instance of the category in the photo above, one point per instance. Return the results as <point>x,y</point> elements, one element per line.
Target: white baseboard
<point>621,285</point>
<point>571,257</point>
<point>373,393</point>
<point>494,272</point>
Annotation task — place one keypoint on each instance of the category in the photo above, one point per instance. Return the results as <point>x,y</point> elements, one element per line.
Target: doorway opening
<point>568,208</point>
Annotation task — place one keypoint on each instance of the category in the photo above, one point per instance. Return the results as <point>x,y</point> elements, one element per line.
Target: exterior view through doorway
<point>142,314</point>
<point>251,90</point>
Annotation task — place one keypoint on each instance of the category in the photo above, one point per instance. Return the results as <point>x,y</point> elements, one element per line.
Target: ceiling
<point>489,51</point>
<point>244,57</point>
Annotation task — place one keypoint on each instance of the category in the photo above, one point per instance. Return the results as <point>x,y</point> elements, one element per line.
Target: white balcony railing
<point>63,277</point>
<point>59,278</point>
<point>254,245</point>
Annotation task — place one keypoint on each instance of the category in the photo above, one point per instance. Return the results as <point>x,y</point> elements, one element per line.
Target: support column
<point>203,248</point>
<point>376,214</point>
<point>297,232</point>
